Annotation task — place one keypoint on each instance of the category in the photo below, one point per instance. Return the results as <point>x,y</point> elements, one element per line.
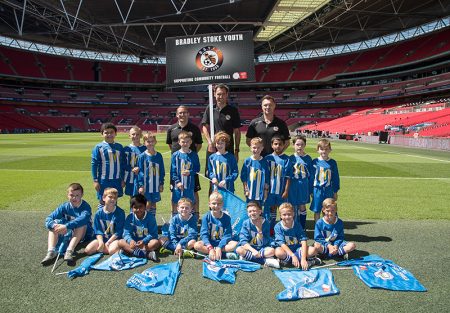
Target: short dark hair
<point>299,137</point>
<point>254,203</point>
<point>75,186</point>
<point>276,137</point>
<point>138,199</point>
<point>268,97</point>
<point>221,86</point>
<point>108,126</point>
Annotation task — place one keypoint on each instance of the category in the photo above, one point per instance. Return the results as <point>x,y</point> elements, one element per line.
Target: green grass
<point>394,202</point>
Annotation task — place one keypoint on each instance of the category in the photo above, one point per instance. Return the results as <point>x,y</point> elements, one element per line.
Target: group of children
<point>275,182</point>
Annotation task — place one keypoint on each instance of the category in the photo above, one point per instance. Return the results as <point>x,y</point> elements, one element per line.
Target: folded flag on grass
<point>84,267</point>
<point>377,272</point>
<point>119,262</point>
<point>245,266</point>
<point>306,284</point>
<point>160,279</point>
<point>236,208</point>
<point>225,270</point>
<point>218,273</point>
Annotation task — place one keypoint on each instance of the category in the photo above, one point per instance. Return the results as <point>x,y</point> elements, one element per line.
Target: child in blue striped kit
<point>299,188</point>
<point>254,238</point>
<point>184,165</point>
<point>280,171</point>
<point>222,166</point>
<point>182,230</point>
<point>255,173</point>
<point>108,162</point>
<point>131,152</point>
<point>108,225</point>
<point>140,235</point>
<point>72,218</point>
<point>151,173</point>
<point>216,232</point>
<point>291,241</point>
<point>329,233</point>
<point>326,178</point>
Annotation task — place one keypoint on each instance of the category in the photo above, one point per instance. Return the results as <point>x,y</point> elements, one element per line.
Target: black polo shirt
<point>225,120</point>
<point>175,129</point>
<point>259,128</point>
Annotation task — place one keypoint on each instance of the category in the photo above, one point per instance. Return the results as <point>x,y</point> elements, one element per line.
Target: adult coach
<point>267,126</point>
<point>183,124</point>
<point>226,118</point>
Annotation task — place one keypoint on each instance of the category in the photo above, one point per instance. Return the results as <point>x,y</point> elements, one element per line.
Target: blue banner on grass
<point>160,279</point>
<point>225,270</point>
<point>119,262</point>
<point>245,266</point>
<point>84,267</point>
<point>236,208</point>
<point>377,272</point>
<point>218,273</point>
<point>306,284</point>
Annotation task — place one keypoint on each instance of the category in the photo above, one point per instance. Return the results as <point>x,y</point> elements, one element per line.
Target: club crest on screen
<point>209,59</point>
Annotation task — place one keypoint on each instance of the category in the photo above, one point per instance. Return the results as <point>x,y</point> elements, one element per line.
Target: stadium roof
<point>139,27</point>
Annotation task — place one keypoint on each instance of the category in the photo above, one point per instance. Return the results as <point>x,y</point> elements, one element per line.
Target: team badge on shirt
<point>228,117</point>
<point>275,128</point>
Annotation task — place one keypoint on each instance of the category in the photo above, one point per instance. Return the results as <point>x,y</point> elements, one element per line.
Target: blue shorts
<point>111,183</point>
<point>325,248</point>
<point>298,192</point>
<point>273,199</point>
<point>177,194</point>
<point>320,194</point>
<point>153,197</point>
<point>130,189</point>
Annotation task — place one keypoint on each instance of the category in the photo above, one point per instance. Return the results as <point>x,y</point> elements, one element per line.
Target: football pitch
<point>395,202</point>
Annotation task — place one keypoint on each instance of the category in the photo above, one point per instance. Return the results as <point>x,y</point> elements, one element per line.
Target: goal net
<point>162,128</point>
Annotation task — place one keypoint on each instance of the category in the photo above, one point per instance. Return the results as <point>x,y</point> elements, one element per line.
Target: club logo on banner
<point>210,58</point>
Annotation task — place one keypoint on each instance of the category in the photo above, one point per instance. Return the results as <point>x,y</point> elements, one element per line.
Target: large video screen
<point>208,59</point>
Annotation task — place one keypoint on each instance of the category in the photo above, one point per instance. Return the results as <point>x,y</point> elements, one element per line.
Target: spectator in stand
<point>267,126</point>
<point>183,124</point>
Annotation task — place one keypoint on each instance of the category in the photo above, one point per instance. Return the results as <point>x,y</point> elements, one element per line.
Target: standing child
<point>254,238</point>
<point>71,216</point>
<point>140,235</point>
<point>107,164</point>
<point>215,232</point>
<point>326,177</point>
<point>184,165</point>
<point>254,173</point>
<point>299,189</point>
<point>108,225</point>
<point>151,173</point>
<point>131,152</point>
<point>182,230</point>
<point>280,171</point>
<point>292,241</point>
<point>329,233</point>
<point>222,165</point>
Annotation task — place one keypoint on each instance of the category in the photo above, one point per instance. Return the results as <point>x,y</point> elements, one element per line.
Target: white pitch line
<point>396,177</point>
<point>46,170</point>
<point>410,155</point>
<point>347,177</point>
